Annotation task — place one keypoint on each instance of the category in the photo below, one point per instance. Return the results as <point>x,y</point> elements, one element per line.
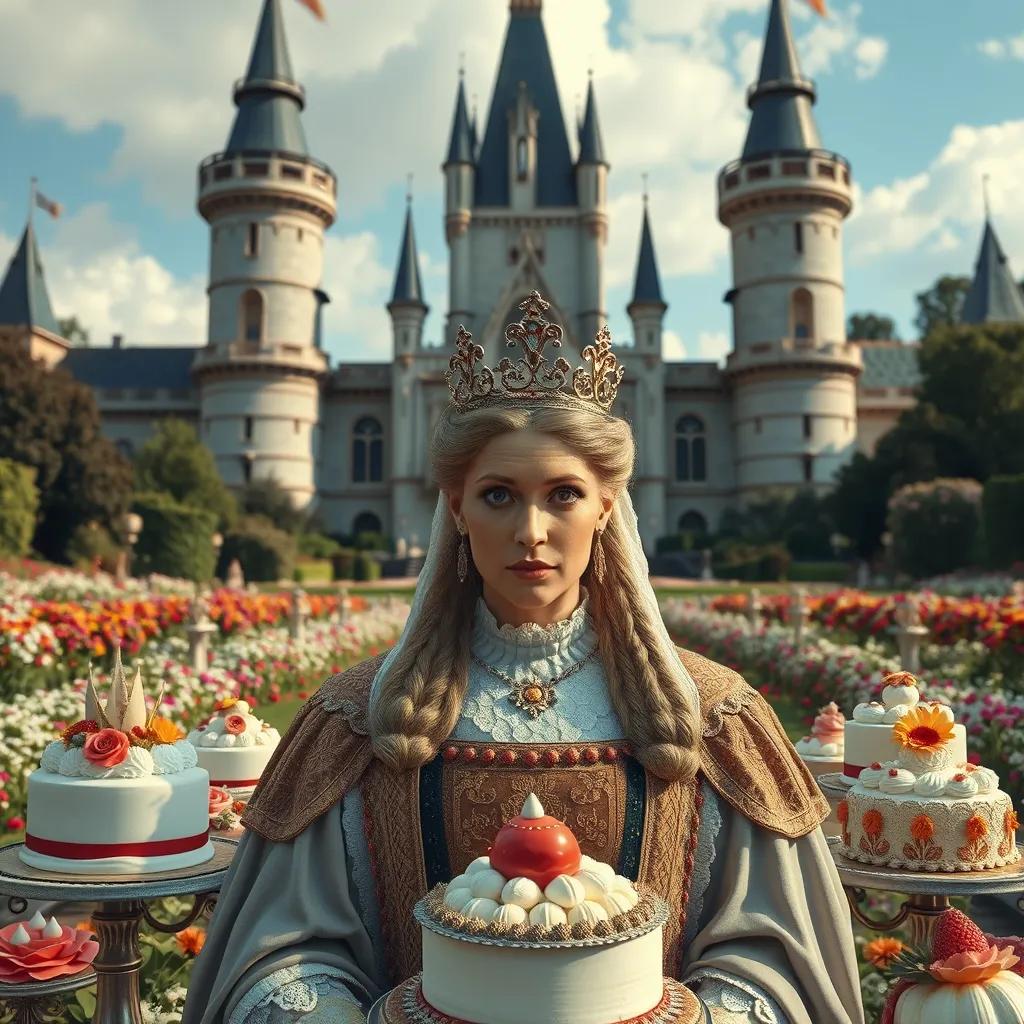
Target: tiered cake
<point>869,735</point>
<point>537,931</point>
<point>119,793</point>
<point>822,750</point>
<point>234,746</point>
<point>926,809</point>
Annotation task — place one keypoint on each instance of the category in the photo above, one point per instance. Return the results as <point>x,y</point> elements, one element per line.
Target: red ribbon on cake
<point>234,783</point>
<point>90,851</point>
<point>852,771</point>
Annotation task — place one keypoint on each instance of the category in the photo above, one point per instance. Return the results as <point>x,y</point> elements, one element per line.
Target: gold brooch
<point>532,696</point>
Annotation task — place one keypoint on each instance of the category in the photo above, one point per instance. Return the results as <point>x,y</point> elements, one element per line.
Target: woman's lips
<point>532,574</point>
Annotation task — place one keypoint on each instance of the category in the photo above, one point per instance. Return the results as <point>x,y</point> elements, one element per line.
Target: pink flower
<point>15,824</point>
<point>41,958</point>
<point>234,724</point>
<point>106,748</point>
<point>970,967</point>
<point>220,799</point>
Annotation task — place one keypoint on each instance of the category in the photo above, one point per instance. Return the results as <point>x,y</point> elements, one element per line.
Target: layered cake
<point>868,737</point>
<point>926,810</point>
<point>822,750</point>
<point>234,746</point>
<point>119,793</point>
<point>537,920</point>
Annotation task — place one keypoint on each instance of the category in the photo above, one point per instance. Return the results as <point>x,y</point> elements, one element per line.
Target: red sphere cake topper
<point>536,846</point>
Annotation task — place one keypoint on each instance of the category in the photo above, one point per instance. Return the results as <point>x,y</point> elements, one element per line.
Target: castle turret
<point>592,192</point>
<point>459,172</point>
<point>268,203</point>
<point>792,372</point>
<point>647,312</point>
<point>994,295</point>
<point>25,311</point>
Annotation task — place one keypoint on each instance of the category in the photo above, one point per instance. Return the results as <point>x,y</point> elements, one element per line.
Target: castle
<point>524,210</point>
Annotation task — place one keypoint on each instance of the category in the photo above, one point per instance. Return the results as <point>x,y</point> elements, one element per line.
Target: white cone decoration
<point>532,808</point>
<point>53,929</point>
<point>37,922</point>
<point>135,711</point>
<point>20,937</point>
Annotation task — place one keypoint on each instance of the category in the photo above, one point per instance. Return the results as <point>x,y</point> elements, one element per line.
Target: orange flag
<point>318,8</point>
<point>819,6</point>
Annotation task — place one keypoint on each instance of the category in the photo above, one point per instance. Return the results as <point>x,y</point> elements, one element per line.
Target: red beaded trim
<point>534,757</point>
<point>691,849</point>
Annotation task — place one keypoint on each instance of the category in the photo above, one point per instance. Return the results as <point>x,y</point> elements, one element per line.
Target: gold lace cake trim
<point>645,910</point>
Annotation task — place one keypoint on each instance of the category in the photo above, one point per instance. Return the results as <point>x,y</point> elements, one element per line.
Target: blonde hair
<point>418,697</point>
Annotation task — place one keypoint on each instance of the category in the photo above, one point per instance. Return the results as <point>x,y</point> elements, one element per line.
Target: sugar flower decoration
<point>923,728</point>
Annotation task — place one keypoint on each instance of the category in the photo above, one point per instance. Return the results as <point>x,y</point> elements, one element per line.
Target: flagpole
<point>31,199</point>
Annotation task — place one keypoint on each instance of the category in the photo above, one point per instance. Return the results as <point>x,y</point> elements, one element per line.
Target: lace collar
<point>507,645</point>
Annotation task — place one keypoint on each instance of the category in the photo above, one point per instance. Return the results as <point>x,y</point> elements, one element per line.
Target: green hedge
<point>367,567</point>
<point>91,543</point>
<point>936,526</point>
<point>176,539</point>
<point>313,570</point>
<point>755,562</point>
<point>19,503</point>
<point>343,563</point>
<point>1002,504</point>
<point>818,572</point>
<point>265,552</point>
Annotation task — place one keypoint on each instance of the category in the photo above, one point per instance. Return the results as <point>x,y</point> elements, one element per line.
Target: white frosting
<point>162,759</point>
<point>53,755</point>
<point>487,884</point>
<point>481,908</point>
<point>71,763</point>
<point>897,780</point>
<point>587,912</point>
<point>918,761</point>
<point>929,784</point>
<point>963,787</point>
<point>986,779</point>
<point>456,899</point>
<point>565,890</point>
<point>480,864</point>
<point>870,776</point>
<point>509,914</point>
<point>870,714</point>
<point>548,914</point>
<point>214,733</point>
<point>811,746</point>
<point>522,892</point>
<point>895,713</point>
<point>893,696</point>
<point>137,765</point>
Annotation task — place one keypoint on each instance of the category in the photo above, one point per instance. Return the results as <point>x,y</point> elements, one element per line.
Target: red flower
<point>220,799</point>
<point>234,724</point>
<point>42,958</point>
<point>15,824</point>
<point>106,748</point>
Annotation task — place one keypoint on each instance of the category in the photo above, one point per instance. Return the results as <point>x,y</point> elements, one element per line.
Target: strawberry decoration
<point>956,933</point>
<point>536,846</point>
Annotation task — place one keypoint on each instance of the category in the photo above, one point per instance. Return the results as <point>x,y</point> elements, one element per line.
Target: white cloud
<point>870,53</point>
<point>672,347</point>
<point>1000,49</point>
<point>712,345</point>
<point>837,39</point>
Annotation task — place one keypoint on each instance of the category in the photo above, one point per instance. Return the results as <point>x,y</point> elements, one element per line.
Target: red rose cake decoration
<point>536,846</point>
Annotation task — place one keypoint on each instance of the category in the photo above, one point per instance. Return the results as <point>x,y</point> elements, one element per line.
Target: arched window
<point>801,314</point>
<point>691,449</point>
<point>692,522</point>
<point>367,451</point>
<point>366,522</point>
<point>522,158</point>
<point>252,316</point>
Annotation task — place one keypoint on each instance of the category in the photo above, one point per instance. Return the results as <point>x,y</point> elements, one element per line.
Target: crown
<point>125,707</point>
<point>533,378</point>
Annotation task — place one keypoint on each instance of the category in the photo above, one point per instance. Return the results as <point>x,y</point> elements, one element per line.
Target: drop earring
<point>462,562</point>
<point>598,558</point>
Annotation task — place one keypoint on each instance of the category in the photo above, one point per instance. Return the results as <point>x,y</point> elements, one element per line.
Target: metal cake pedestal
<point>42,1002</point>
<point>121,909</point>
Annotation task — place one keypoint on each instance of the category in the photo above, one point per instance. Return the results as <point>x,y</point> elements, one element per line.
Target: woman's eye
<point>489,495</point>
<point>568,495</point>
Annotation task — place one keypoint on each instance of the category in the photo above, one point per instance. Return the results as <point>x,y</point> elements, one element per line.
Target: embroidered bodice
<point>583,710</point>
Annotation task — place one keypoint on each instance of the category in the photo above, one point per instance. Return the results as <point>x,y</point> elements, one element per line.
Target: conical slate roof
<point>591,144</point>
<point>408,286</point>
<point>781,117</point>
<point>269,99</point>
<point>460,145</point>
<point>994,296</point>
<point>526,58</point>
<point>647,285</point>
<point>23,295</point>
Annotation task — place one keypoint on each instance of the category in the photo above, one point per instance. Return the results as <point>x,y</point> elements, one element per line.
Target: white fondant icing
<point>522,892</point>
<point>487,884</point>
<point>897,780</point>
<point>565,890</point>
<point>547,914</point>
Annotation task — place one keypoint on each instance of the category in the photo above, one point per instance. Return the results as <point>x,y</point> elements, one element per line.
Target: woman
<point>534,658</point>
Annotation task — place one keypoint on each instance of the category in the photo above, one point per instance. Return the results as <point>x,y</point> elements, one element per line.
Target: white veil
<point>637,563</point>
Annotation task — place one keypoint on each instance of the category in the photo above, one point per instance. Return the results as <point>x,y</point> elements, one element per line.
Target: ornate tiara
<point>533,378</point>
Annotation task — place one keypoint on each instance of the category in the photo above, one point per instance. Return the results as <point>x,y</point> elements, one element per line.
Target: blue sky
<point>113,114</point>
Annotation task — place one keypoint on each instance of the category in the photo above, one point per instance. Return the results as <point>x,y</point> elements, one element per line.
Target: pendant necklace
<point>533,695</point>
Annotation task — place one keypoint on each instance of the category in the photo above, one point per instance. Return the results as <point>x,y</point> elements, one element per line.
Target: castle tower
<point>994,296</point>
<point>793,375</point>
<point>267,202</point>
<point>25,311</point>
<point>647,312</point>
<point>520,212</point>
<point>407,311</point>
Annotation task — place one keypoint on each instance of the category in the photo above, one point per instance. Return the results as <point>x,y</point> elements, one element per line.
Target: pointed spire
<point>647,285</point>
<point>408,287</point>
<point>474,135</point>
<point>591,144</point>
<point>24,299</point>
<point>994,296</point>
<point>460,146</point>
<point>781,101</point>
<point>269,99</point>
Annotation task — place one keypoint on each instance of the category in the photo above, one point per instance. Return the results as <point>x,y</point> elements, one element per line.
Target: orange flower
<point>872,822</point>
<point>900,679</point>
<point>922,828</point>
<point>163,730</point>
<point>843,812</point>
<point>882,952</point>
<point>1010,822</point>
<point>972,967</point>
<point>923,728</point>
<point>976,828</point>
<point>227,702</point>
<point>191,941</point>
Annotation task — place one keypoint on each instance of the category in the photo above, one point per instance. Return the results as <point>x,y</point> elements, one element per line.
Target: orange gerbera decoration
<point>976,828</point>
<point>882,952</point>
<point>872,822</point>
<point>923,728</point>
<point>191,941</point>
<point>163,730</point>
<point>922,828</point>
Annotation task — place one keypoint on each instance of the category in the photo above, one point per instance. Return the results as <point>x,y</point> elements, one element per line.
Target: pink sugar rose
<point>42,959</point>
<point>234,724</point>
<point>106,748</point>
<point>972,967</point>
<point>220,799</point>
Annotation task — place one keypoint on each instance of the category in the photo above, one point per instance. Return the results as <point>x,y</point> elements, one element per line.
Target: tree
<point>174,461</point>
<point>73,331</point>
<point>266,497</point>
<point>940,305</point>
<point>871,327</point>
<point>50,421</point>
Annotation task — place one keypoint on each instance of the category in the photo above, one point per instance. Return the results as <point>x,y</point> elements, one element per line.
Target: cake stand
<point>42,1002</point>
<point>928,892</point>
<point>121,909</point>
